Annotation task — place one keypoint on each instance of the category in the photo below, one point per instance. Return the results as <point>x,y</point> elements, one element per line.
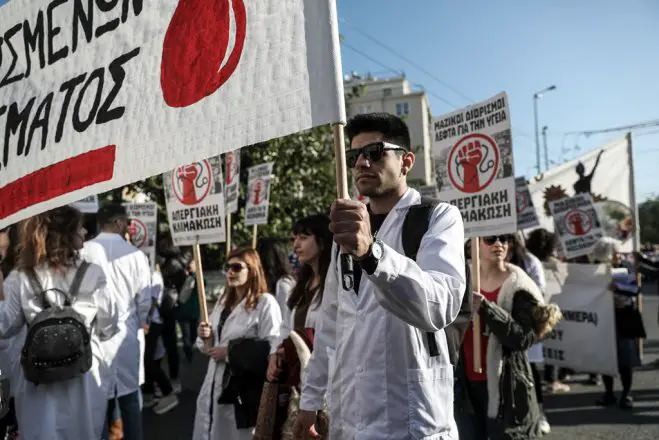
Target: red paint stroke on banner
<point>58,179</point>
<point>195,45</point>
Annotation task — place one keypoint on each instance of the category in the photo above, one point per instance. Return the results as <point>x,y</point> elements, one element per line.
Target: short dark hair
<point>541,243</point>
<point>393,128</point>
<point>109,213</point>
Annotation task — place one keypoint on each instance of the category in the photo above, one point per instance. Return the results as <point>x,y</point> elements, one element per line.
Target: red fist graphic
<point>470,156</point>
<point>195,46</point>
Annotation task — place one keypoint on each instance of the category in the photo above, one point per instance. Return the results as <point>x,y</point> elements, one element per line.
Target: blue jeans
<point>129,409</point>
<point>476,425</point>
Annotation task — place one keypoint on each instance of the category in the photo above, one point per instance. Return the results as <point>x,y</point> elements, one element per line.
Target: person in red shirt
<point>499,402</point>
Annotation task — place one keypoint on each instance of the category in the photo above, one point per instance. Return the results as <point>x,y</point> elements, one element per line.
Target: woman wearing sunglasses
<point>500,402</point>
<point>245,312</point>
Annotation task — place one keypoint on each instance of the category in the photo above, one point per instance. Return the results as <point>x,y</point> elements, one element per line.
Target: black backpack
<point>415,226</point>
<point>58,345</point>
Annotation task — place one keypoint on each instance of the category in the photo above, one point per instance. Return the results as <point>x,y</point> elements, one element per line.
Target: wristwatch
<point>370,261</point>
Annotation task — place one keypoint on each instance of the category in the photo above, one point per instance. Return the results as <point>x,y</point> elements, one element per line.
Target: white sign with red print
<point>258,194</point>
<point>88,205</point>
<point>195,203</point>
<point>95,95</point>
<point>232,183</point>
<point>527,217</point>
<point>143,228</point>
<point>577,224</point>
<point>473,157</point>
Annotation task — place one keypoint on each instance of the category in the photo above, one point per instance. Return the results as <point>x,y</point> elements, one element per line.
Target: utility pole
<point>544,141</point>
<point>536,96</point>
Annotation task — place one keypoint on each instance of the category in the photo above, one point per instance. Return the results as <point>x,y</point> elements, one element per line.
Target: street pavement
<point>573,415</point>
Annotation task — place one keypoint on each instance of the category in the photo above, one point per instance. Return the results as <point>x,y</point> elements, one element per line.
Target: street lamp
<point>537,96</point>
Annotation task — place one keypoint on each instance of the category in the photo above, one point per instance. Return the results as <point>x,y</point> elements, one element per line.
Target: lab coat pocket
<point>430,401</point>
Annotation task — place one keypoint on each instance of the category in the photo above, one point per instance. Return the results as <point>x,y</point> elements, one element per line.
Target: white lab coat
<point>263,322</point>
<point>371,350</point>
<point>74,409</point>
<point>283,290</point>
<point>129,281</point>
<point>288,321</point>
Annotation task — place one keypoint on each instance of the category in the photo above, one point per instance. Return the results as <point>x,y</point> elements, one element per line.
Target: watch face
<point>377,250</point>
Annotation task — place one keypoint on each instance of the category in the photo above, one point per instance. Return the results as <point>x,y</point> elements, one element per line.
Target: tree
<point>648,214</point>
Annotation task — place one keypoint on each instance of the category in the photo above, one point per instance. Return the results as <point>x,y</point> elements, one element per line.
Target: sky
<point>600,54</point>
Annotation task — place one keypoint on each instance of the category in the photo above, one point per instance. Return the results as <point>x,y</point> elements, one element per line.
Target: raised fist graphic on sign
<point>258,189</point>
<point>473,163</point>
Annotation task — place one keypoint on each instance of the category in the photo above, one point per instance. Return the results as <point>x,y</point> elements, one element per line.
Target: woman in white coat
<point>245,310</point>
<point>76,408</point>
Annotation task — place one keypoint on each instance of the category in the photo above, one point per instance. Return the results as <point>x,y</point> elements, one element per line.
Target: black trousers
<point>153,372</point>
<point>170,341</point>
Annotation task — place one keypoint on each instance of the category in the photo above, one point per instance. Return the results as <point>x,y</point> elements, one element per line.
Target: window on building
<point>386,92</point>
<point>365,108</point>
<point>402,109</point>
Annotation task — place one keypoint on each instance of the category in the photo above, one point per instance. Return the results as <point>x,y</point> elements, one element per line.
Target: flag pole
<point>636,237</point>
<point>476,319</point>
<point>342,191</point>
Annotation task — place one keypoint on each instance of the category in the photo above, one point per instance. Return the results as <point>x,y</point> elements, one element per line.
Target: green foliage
<point>648,214</point>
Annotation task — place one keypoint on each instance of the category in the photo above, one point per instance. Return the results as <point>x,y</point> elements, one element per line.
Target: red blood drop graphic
<point>195,45</point>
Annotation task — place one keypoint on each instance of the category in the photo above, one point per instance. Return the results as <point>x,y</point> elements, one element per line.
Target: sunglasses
<point>372,152</point>
<point>504,239</point>
<point>234,267</point>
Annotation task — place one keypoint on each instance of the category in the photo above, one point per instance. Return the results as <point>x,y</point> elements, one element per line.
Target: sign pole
<point>342,191</point>
<point>228,242</point>
<point>255,234</point>
<point>636,237</point>
<point>201,290</point>
<point>476,277</point>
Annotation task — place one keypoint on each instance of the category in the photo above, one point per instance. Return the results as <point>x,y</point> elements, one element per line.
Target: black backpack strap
<point>415,226</point>
<point>36,286</point>
<point>77,281</point>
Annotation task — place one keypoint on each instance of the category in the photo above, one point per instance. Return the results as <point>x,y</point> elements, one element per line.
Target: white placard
<point>473,153</point>
<point>577,224</point>
<point>258,191</point>
<point>88,205</point>
<point>96,95</point>
<point>585,339</point>
<point>232,183</point>
<point>143,228</point>
<point>527,217</point>
<point>195,203</point>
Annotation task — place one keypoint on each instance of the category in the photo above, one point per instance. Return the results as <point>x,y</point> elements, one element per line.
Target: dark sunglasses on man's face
<point>234,267</point>
<point>504,239</point>
<point>372,152</point>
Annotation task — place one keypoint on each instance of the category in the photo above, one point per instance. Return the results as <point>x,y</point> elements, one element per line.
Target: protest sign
<point>605,174</point>
<point>232,184</point>
<point>258,189</point>
<point>526,215</point>
<point>143,228</point>
<point>88,205</point>
<point>473,154</point>
<point>585,339</point>
<point>195,203</point>
<point>577,224</point>
<point>98,94</point>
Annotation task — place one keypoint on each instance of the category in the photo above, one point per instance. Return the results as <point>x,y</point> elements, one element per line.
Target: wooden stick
<point>201,292</point>
<point>228,242</point>
<point>255,234</point>
<point>476,319</point>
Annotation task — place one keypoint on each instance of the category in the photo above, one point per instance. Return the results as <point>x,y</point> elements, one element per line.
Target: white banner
<point>232,184</point>
<point>143,228</point>
<point>195,203</point>
<point>526,215</point>
<point>95,95</point>
<point>473,154</point>
<point>258,191</point>
<point>577,225</point>
<point>88,205</point>
<point>604,173</point>
<point>585,339</point>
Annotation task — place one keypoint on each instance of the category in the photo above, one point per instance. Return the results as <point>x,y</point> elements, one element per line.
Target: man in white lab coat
<point>371,351</point>
<point>129,280</point>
